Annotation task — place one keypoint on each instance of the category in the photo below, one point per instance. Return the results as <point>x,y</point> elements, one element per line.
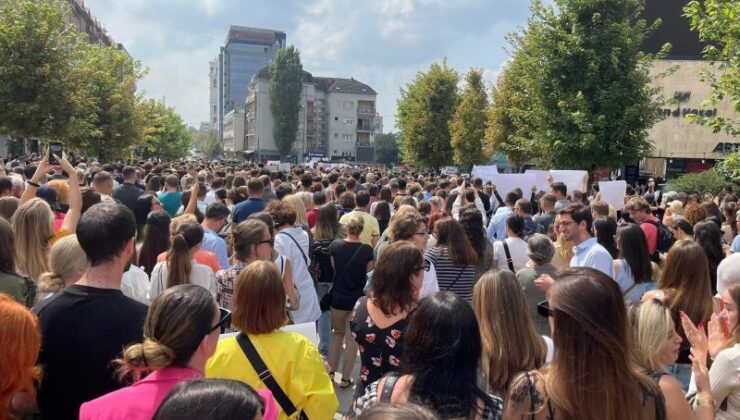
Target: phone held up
<point>55,148</point>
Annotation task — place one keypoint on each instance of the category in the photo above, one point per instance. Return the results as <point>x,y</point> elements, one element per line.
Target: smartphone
<point>55,148</point>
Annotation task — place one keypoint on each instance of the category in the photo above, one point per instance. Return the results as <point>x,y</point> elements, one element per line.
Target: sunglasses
<point>544,310</point>
<point>424,266</point>
<point>269,241</point>
<point>224,322</point>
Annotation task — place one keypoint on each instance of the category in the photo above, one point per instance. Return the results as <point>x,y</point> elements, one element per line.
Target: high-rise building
<point>245,52</point>
<point>337,120</point>
<point>213,88</point>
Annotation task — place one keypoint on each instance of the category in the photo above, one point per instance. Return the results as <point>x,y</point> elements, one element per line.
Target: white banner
<point>541,179</point>
<point>272,165</point>
<point>448,170</point>
<point>285,167</point>
<point>486,173</point>
<point>508,182</point>
<point>572,179</point>
<point>613,192</point>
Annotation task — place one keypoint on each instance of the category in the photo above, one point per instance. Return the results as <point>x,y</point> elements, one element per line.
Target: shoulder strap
<point>462,270</point>
<point>303,254</point>
<point>508,256</point>
<point>265,375</point>
<point>391,379</point>
<point>359,248</point>
<point>44,303</point>
<point>629,289</point>
<point>532,396</point>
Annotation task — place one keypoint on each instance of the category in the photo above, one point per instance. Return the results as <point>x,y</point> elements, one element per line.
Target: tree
<point>105,119</point>
<point>425,109</point>
<point>509,125</point>
<point>38,50</point>
<point>468,124</point>
<point>211,146</point>
<point>718,24</point>
<point>591,104</point>
<point>165,136</point>
<point>286,82</point>
<point>386,148</point>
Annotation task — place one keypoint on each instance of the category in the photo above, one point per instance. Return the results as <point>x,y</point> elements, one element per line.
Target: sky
<point>383,43</point>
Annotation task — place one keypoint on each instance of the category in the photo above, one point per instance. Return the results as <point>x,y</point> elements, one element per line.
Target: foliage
<point>286,81</point>
<point>425,109</point>
<point>38,52</point>
<point>508,128</point>
<point>707,182</point>
<point>730,168</point>
<point>588,102</point>
<point>468,124</point>
<point>211,146</point>
<point>718,24</point>
<point>106,122</point>
<point>386,148</point>
<point>165,136</point>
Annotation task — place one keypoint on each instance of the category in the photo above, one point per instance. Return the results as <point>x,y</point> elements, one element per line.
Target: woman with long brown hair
<point>180,266</point>
<point>453,258</point>
<point>684,285</point>
<point>593,375</point>
<point>503,317</point>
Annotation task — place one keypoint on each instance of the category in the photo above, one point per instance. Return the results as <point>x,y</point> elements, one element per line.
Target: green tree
<point>424,111</point>
<point>165,136</point>
<point>211,146</point>
<point>468,124</point>
<point>38,50</point>
<point>591,104</point>
<point>286,81</point>
<point>386,148</point>
<point>510,117</point>
<point>106,122</point>
<point>718,24</point>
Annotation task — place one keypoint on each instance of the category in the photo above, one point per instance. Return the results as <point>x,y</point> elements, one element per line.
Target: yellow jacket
<point>295,364</point>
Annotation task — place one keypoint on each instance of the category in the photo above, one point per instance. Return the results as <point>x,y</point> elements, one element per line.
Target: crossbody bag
<point>266,376</point>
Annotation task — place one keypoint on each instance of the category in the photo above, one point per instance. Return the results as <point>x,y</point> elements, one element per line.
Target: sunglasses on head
<point>224,321</point>
<point>544,310</point>
<point>424,266</point>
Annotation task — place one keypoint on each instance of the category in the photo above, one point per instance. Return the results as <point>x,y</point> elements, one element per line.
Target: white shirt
<point>518,250</point>
<point>135,284</point>
<point>200,275</point>
<point>429,286</point>
<point>299,258</point>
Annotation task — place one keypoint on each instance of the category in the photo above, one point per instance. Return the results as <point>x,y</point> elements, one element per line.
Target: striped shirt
<point>450,277</point>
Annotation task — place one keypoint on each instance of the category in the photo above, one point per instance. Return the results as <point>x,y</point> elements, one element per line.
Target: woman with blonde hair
<point>291,359</point>
<point>20,340</point>
<point>67,263</point>
<point>657,344</point>
<point>180,333</point>
<point>503,317</point>
<point>33,222</point>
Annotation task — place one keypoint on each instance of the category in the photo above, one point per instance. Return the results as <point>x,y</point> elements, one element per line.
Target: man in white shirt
<point>575,223</point>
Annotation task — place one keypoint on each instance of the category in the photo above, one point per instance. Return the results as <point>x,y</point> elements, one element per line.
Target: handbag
<point>325,302</point>
<point>266,376</point>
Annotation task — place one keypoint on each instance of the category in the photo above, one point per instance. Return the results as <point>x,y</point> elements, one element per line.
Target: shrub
<point>707,182</point>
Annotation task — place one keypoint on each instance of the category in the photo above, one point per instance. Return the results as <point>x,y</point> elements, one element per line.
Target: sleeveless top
<point>626,282</point>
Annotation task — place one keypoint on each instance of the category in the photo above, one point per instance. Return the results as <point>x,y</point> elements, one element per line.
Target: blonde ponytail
<point>143,357</point>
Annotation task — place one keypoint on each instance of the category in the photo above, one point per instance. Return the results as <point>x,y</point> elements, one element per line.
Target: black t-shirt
<point>83,329</point>
<point>127,194</point>
<point>350,275</point>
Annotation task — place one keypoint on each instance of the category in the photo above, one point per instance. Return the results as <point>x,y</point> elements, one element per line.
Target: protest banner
<point>572,179</point>
<point>541,179</point>
<point>613,192</point>
<point>485,173</point>
<point>508,182</point>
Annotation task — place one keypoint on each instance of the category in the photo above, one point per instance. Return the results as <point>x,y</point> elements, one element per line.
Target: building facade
<point>233,140</point>
<point>681,146</point>
<point>337,120</point>
<point>245,52</point>
<point>213,93</point>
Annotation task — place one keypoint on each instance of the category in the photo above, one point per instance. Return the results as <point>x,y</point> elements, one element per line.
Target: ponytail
<point>178,262</point>
<point>50,282</point>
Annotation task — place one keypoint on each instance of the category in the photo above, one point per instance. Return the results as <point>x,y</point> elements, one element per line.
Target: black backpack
<point>321,268</point>
<point>665,239</point>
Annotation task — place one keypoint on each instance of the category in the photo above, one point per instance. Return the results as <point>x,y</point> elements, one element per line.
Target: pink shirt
<point>141,400</point>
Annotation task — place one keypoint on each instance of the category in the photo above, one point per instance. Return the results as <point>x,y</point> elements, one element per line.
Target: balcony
<point>365,126</point>
<point>368,110</point>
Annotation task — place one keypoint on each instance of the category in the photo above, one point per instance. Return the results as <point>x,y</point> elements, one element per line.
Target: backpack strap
<point>508,256</point>
<point>265,375</point>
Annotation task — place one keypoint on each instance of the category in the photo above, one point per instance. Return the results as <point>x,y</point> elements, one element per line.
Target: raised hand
<point>696,337</point>
<point>716,340</point>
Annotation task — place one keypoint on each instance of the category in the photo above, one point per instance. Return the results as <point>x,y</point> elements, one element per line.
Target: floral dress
<point>380,348</point>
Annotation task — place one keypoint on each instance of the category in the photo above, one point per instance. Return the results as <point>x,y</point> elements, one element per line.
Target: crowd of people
<point>173,290</point>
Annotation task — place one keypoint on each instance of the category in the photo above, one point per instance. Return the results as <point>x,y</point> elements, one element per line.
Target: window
<point>336,135</point>
<point>265,50</point>
<point>336,118</point>
<point>347,138</point>
<point>348,121</point>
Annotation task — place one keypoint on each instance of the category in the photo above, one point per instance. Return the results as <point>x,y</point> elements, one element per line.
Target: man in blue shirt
<point>497,227</point>
<point>215,219</point>
<point>253,204</point>
<point>575,224</point>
